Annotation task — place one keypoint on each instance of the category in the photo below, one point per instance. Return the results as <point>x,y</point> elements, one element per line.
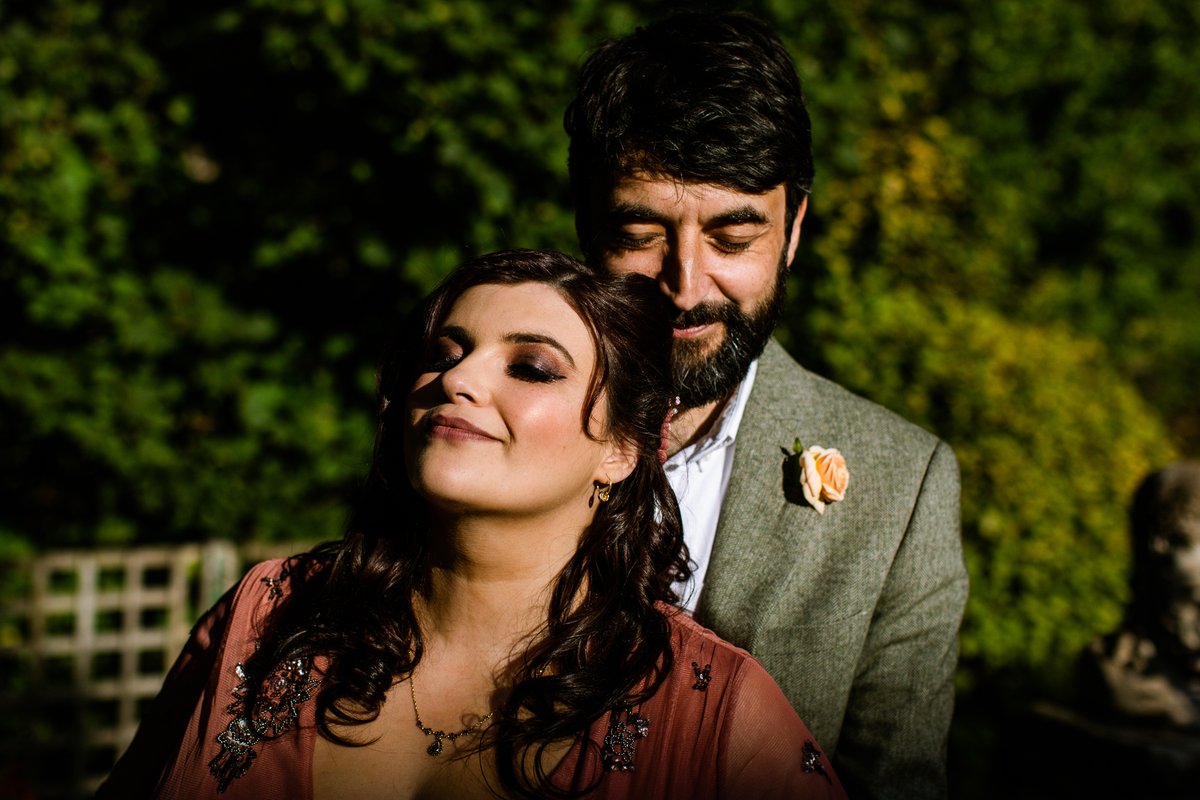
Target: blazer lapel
<point>758,528</point>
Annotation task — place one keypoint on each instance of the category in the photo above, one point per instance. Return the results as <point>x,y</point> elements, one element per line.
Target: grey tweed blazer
<point>855,612</point>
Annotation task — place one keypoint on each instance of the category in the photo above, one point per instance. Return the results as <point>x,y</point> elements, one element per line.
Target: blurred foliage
<point>1051,441</point>
<point>1003,248</point>
<point>212,215</point>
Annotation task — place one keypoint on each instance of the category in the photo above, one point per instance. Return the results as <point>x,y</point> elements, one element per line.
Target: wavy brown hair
<point>603,635</point>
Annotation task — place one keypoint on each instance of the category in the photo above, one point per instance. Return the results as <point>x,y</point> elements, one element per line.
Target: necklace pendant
<point>435,749</point>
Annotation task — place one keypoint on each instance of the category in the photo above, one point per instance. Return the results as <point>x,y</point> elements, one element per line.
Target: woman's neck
<point>490,581</point>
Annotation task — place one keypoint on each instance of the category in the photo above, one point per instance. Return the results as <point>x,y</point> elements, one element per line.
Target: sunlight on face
<point>495,418</point>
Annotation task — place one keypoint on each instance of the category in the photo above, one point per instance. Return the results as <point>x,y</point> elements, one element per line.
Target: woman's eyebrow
<point>522,337</point>
<point>455,333</point>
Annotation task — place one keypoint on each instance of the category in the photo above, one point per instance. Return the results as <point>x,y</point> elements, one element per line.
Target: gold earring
<point>602,492</point>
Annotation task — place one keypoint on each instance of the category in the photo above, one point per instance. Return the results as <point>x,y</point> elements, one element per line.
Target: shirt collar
<point>724,430</point>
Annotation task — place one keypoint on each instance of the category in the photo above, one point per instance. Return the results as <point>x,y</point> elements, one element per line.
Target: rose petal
<point>825,476</point>
<point>810,481</point>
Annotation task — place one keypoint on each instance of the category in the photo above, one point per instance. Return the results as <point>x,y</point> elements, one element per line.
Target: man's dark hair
<point>709,98</point>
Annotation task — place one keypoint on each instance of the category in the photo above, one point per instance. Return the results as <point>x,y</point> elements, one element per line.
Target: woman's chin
<point>448,498</point>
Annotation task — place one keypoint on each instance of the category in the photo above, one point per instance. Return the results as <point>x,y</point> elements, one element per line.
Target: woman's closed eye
<point>443,361</point>
<point>534,372</point>
<point>530,371</point>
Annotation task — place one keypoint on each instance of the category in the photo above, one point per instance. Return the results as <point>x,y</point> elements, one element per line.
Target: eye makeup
<point>535,357</point>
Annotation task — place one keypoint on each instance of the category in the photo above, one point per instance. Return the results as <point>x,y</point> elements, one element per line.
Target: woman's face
<point>495,420</point>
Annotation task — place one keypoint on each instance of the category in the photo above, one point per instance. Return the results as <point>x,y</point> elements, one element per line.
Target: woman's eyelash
<point>533,373</point>
<point>529,371</point>
<point>441,363</point>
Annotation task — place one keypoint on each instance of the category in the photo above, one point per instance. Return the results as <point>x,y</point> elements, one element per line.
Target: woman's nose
<point>464,383</point>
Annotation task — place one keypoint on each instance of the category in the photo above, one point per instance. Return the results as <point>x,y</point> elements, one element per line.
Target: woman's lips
<point>457,428</point>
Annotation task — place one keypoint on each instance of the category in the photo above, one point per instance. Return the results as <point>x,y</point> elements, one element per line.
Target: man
<point>690,161</point>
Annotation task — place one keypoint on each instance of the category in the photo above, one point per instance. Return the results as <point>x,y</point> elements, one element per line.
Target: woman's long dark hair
<point>603,636</point>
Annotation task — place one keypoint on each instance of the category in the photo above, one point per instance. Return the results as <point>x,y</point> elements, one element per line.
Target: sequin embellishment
<point>811,761</point>
<point>276,709</point>
<point>273,584</point>
<point>625,727</point>
<point>703,676</point>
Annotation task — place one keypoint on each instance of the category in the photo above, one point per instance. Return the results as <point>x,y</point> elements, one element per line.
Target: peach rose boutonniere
<point>823,474</point>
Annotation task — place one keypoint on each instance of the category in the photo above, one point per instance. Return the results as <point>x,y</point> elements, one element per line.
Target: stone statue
<point>1149,671</point>
<point>1133,727</point>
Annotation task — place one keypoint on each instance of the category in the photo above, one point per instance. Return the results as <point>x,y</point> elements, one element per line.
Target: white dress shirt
<point>699,474</point>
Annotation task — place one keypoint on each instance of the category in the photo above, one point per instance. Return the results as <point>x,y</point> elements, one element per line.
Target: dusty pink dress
<point>718,727</point>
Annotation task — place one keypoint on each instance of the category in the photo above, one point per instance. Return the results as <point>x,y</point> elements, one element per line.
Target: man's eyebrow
<point>522,337</point>
<point>742,215</point>
<point>634,211</point>
<point>739,215</point>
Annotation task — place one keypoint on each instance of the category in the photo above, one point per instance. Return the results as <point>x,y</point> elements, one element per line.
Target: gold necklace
<point>435,749</point>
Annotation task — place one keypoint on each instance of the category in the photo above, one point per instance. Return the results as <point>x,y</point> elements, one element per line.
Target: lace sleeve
<point>767,752</point>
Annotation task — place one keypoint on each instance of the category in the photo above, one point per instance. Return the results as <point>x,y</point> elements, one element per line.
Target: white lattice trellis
<point>87,644</point>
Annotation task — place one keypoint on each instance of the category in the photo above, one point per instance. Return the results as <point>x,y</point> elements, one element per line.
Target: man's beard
<point>702,379</point>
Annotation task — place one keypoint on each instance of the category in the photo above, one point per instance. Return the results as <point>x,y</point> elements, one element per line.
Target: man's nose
<point>683,274</point>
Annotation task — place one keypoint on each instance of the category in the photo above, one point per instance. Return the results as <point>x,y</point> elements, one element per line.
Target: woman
<point>497,619</point>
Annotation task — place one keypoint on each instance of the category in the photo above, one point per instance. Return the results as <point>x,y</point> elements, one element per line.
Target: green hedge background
<point>211,214</point>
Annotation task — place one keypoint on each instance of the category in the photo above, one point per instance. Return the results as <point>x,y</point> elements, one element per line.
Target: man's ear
<point>620,461</point>
<point>794,233</point>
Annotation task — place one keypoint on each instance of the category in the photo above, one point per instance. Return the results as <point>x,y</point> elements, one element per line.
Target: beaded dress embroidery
<point>276,709</point>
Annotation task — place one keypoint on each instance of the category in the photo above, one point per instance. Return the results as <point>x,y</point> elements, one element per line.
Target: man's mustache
<point>705,314</point>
